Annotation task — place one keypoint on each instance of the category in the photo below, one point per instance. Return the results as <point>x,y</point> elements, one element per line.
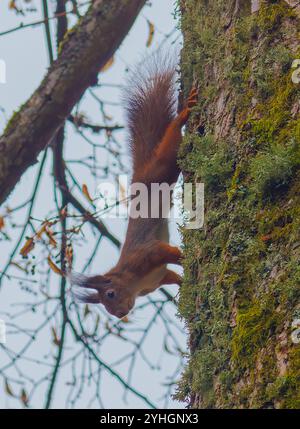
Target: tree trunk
<point>240,295</point>
<point>84,51</point>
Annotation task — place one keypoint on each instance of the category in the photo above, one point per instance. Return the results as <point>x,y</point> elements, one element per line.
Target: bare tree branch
<point>69,197</point>
<point>84,51</point>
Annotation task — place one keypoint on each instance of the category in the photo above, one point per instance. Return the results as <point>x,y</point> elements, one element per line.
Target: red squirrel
<point>155,136</point>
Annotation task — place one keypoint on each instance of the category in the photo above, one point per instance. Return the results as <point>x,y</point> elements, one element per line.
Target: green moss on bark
<point>242,277</point>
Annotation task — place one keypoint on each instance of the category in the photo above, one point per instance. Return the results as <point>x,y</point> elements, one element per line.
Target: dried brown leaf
<point>8,389</point>
<point>28,246</point>
<point>151,32</point>
<point>54,267</point>
<point>24,397</point>
<point>56,340</point>
<point>86,193</point>
<point>50,235</point>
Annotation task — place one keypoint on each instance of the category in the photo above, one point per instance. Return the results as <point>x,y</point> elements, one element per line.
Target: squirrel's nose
<point>121,313</point>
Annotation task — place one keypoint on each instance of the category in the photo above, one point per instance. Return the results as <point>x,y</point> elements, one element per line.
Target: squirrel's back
<point>150,106</point>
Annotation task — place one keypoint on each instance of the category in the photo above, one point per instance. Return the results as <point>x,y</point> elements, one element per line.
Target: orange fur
<point>155,136</point>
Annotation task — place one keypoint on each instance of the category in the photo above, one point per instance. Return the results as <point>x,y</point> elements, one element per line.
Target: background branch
<point>31,129</point>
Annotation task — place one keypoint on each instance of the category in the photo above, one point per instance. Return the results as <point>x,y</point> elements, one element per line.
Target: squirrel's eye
<point>110,294</point>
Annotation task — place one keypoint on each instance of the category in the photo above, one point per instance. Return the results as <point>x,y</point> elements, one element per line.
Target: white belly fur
<point>151,281</point>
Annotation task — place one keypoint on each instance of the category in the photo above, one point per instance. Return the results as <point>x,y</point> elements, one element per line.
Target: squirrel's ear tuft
<point>86,297</point>
<point>95,282</point>
<point>77,279</point>
<point>80,282</point>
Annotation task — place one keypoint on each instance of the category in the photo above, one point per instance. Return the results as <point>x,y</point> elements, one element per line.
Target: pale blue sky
<point>26,60</point>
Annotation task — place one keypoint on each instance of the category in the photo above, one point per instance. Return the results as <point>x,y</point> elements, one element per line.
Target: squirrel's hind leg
<point>173,135</point>
<point>191,102</point>
<point>163,165</point>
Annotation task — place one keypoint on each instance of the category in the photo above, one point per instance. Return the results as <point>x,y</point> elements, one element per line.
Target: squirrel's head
<point>109,290</point>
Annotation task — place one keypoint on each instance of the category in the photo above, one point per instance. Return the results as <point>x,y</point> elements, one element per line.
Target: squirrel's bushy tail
<point>150,105</point>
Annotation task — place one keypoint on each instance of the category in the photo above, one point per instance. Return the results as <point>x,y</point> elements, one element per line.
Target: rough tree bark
<point>241,290</point>
<point>85,49</point>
